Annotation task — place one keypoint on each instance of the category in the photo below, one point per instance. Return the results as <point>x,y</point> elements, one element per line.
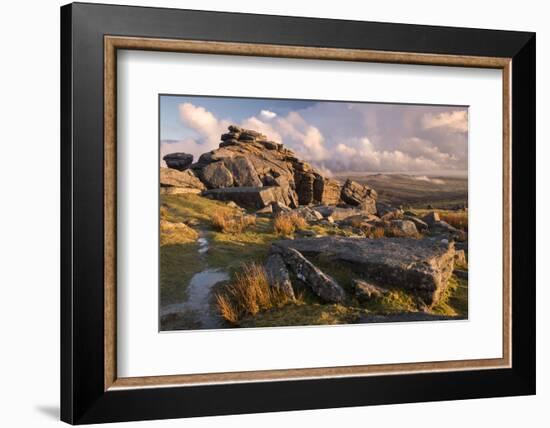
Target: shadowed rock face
<point>422,266</point>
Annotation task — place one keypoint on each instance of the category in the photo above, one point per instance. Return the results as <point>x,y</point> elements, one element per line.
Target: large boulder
<point>216,176</point>
<point>320,283</point>
<point>404,227</point>
<point>174,181</point>
<point>179,161</point>
<point>355,194</point>
<point>243,172</point>
<point>278,275</point>
<point>420,266</point>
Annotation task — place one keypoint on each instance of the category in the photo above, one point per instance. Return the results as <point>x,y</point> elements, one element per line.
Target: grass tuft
<point>232,223</point>
<point>458,219</point>
<point>248,294</point>
<point>286,224</point>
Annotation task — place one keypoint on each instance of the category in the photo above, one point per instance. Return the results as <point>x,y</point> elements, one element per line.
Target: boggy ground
<point>207,245</point>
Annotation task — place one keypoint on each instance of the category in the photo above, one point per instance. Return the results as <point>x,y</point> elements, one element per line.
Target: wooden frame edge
<point>112,43</point>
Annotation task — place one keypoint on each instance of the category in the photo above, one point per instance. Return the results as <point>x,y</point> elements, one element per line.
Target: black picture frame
<point>83,398</point>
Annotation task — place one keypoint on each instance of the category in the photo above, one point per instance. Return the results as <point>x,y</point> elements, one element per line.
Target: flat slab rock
<point>422,266</point>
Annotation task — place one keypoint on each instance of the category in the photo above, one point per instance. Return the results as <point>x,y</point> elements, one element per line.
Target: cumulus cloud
<point>266,114</point>
<point>338,137</point>
<point>456,120</point>
<point>203,123</point>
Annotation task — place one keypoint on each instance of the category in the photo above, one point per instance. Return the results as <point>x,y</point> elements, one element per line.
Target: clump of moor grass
<point>232,223</point>
<point>249,294</point>
<point>287,223</point>
<point>458,219</point>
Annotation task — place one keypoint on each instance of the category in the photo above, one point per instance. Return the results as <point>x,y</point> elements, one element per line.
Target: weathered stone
<point>278,207</point>
<point>355,194</point>
<point>308,214</point>
<point>243,172</point>
<point>388,212</point>
<point>365,291</point>
<point>405,227</point>
<point>325,191</point>
<point>420,225</point>
<point>431,218</point>
<point>179,161</point>
<point>278,275</point>
<point>265,211</point>
<point>174,179</point>
<point>421,266</point>
<point>442,228</point>
<point>320,283</point>
<point>253,198</point>
<point>252,160</point>
<point>216,176</point>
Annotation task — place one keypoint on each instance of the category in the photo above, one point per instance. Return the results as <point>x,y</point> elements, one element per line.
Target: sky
<point>335,137</point>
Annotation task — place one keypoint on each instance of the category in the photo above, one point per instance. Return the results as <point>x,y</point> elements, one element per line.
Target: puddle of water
<point>198,298</point>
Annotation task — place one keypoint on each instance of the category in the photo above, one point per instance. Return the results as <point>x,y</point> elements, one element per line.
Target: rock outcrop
<point>421,266</point>
<point>248,159</point>
<point>179,161</point>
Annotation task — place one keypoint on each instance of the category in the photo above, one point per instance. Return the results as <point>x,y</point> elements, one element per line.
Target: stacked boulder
<point>254,171</point>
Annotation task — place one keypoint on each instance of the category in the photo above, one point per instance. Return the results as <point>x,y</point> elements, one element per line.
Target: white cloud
<point>204,123</point>
<point>456,120</point>
<point>266,114</point>
<point>365,138</point>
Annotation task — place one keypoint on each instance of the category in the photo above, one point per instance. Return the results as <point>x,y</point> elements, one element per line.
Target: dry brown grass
<point>231,223</point>
<point>176,233</point>
<point>458,219</point>
<point>248,294</point>
<point>286,224</point>
<point>377,233</point>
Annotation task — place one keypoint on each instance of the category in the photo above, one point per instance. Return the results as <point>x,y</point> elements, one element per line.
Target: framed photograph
<point>267,213</point>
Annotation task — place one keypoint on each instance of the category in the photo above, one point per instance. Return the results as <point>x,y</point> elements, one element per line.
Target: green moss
<point>455,299</point>
<point>301,314</point>
<point>178,263</point>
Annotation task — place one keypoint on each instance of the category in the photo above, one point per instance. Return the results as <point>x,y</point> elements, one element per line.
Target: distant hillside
<point>418,191</point>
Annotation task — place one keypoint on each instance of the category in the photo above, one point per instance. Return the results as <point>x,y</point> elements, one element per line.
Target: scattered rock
<point>388,212</point>
<point>420,225</point>
<point>442,228</point>
<point>422,266</point>
<point>405,227</point>
<point>356,194</point>
<point>431,218</point>
<point>321,284</point>
<point>365,291</point>
<point>265,211</point>
<point>278,208</point>
<point>309,214</point>
<point>173,179</point>
<point>277,275</point>
<point>178,161</point>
